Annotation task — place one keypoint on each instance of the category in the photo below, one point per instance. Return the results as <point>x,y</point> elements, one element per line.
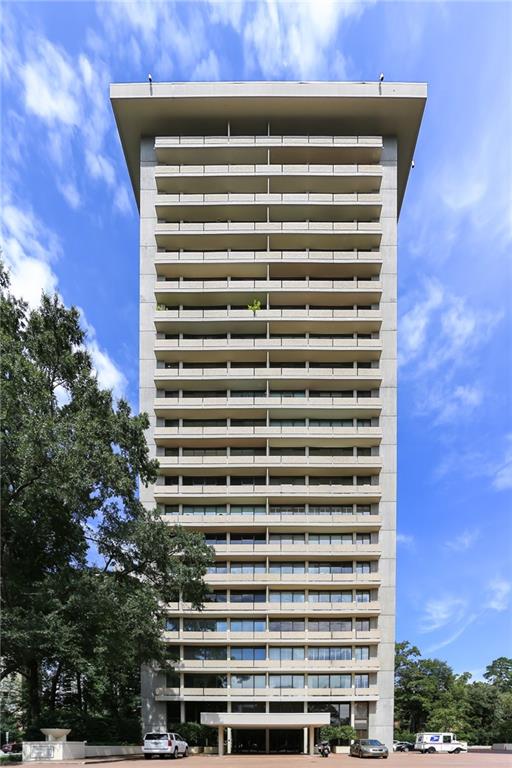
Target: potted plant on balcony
<point>338,736</point>
<point>254,306</point>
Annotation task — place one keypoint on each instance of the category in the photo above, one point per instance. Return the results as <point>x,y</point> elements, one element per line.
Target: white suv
<point>163,745</point>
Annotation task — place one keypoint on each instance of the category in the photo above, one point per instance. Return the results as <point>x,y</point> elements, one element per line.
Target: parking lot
<point>408,760</point>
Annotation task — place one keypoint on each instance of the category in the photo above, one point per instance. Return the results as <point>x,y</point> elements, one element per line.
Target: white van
<point>164,745</point>
<point>439,742</point>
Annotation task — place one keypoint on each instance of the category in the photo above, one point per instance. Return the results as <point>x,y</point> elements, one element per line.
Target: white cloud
<point>464,541</point>
<point>122,200</point>
<point>109,375</point>
<point>502,474</point>
<point>71,194</point>
<point>438,612</point>
<point>498,592</point>
<point>406,540</point>
<point>455,635</point>
<point>50,84</point>
<point>30,249</point>
<point>208,69</point>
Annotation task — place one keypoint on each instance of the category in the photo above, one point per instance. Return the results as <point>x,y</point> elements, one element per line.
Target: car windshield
<point>371,743</point>
<point>155,736</point>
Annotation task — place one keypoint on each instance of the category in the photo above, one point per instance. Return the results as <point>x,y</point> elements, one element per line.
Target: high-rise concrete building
<point>268,295</point>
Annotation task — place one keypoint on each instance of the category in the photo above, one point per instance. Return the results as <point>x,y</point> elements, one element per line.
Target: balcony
<point>352,375</point>
<point>371,636</point>
<point>299,462</point>
<point>164,258</point>
<point>297,432</point>
<point>368,493</point>
<point>312,550</point>
<point>348,318</point>
<point>186,694</point>
<point>354,522</point>
<point>308,665</point>
<point>293,579</point>
<point>277,609</point>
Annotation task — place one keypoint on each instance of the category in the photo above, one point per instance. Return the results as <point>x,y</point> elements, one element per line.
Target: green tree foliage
<point>86,569</point>
<point>430,696</point>
<point>337,735</point>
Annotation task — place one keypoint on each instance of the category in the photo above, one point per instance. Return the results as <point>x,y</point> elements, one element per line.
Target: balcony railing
<point>161,694</point>
<point>269,198</point>
<point>269,169</point>
<point>164,256</point>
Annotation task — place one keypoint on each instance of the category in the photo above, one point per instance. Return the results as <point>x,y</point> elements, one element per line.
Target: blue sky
<point>70,224</point>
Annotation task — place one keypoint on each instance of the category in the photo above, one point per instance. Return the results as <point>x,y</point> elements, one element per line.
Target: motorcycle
<point>324,748</point>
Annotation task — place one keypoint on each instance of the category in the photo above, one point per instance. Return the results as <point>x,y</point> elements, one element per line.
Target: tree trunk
<point>33,689</point>
<point>53,689</point>
<point>79,690</point>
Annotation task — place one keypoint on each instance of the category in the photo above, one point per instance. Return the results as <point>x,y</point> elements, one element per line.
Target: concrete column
<point>267,741</point>
<point>229,741</point>
<point>311,739</point>
<point>305,732</point>
<point>220,744</point>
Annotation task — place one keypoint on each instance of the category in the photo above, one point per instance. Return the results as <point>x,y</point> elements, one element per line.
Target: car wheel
<point>185,754</point>
<point>431,750</point>
<point>456,751</point>
<point>148,757</point>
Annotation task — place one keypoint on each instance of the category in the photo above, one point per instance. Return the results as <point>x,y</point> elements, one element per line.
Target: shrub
<point>341,735</point>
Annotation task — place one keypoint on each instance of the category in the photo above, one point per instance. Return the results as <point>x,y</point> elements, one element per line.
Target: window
<point>331,451</point>
<point>218,567</point>
<point>362,597</point>
<point>248,625</point>
<point>362,681</point>
<point>247,706</point>
<point>205,681</point>
<point>341,509</point>
<point>364,509</point>
<point>286,597</point>
<point>215,538</point>
<point>205,652</point>
<point>284,568</point>
<point>247,653</point>
<point>205,625</point>
<point>447,739</point>
<point>247,480</point>
<point>326,539</point>
<point>204,509</point>
<point>248,538</point>
<point>363,566</point>
<point>287,422</point>
<point>286,681</point>
<point>362,652</point>
<point>296,509</point>
<point>247,568</point>
<point>248,509</point>
<point>200,423</point>
<point>329,681</point>
<point>287,451</point>
<point>330,567</point>
<point>363,538</point>
<point>331,422</point>
<point>172,625</point>
<point>336,625</point>
<point>287,480</point>
<point>344,596</point>
<point>239,596</point>
<point>286,538</point>
<point>362,625</point>
<point>172,680</point>
<point>291,625</point>
<point>340,712</point>
<point>248,423</point>
<point>248,681</point>
<point>329,653</point>
<point>219,596</point>
<point>286,654</point>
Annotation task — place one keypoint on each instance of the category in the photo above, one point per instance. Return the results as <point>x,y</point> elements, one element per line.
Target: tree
<point>341,734</point>
<point>86,569</point>
<point>499,673</point>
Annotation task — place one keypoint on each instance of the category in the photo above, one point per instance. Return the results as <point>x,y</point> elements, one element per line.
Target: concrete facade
<point>275,428</point>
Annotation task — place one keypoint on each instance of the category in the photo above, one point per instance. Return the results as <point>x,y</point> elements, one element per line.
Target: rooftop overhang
<point>372,109</point>
<point>265,720</point>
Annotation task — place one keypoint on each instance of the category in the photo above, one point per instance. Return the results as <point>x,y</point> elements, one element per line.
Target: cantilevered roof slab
<point>334,108</point>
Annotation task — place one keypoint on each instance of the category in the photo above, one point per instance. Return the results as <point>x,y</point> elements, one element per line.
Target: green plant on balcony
<point>161,307</point>
<point>254,306</point>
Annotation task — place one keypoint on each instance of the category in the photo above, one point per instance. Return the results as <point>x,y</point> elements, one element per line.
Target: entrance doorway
<point>246,741</point>
<point>275,740</point>
<point>287,742</point>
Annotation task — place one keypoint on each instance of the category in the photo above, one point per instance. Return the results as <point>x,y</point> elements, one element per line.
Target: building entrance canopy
<point>265,720</point>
